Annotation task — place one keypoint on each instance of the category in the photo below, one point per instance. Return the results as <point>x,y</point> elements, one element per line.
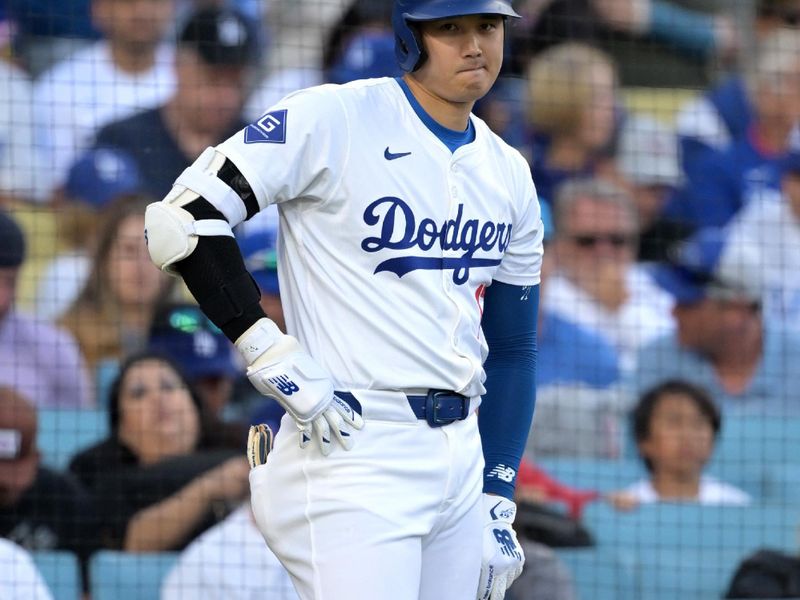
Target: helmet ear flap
<point>423,55</point>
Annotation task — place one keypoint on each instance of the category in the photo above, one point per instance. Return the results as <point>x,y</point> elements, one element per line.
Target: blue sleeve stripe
<point>504,418</point>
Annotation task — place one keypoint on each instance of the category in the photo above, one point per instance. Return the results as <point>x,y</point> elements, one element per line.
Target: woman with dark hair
<point>675,426</point>
<point>110,316</point>
<point>157,482</point>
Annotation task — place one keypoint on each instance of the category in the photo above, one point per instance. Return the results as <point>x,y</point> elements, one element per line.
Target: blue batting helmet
<point>408,48</point>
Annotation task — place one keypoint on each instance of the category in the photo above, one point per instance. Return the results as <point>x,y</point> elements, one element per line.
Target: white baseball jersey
<point>387,238</point>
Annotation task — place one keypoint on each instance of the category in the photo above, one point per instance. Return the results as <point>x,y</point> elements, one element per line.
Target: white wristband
<point>259,338</point>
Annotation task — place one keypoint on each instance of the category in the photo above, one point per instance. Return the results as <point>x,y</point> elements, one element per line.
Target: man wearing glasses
<point>597,283</point>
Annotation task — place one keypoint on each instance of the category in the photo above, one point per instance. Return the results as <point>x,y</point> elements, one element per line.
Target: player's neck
<point>452,115</point>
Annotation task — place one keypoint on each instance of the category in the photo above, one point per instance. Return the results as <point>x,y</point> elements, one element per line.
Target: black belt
<point>437,407</point>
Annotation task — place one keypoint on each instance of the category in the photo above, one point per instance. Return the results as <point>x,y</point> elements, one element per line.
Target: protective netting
<point>664,144</point>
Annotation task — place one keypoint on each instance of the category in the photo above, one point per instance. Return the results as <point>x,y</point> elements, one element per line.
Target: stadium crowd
<point>664,143</point>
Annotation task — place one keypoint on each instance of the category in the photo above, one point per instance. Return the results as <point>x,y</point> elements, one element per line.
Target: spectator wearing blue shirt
<point>724,177</point>
<point>568,352</point>
<point>727,111</point>
<point>722,342</point>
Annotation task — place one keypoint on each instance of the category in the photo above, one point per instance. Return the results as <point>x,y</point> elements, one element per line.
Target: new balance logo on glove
<point>285,386</point>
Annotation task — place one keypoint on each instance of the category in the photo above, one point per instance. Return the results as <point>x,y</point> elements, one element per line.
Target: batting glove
<point>502,555</point>
<point>279,367</point>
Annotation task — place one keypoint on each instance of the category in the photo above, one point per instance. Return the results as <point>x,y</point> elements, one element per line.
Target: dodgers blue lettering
<point>399,231</point>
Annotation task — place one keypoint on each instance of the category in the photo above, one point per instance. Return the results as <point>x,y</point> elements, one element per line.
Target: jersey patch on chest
<point>269,129</point>
<point>399,230</point>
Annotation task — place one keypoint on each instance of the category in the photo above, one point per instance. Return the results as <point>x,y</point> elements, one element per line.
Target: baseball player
<point>410,249</point>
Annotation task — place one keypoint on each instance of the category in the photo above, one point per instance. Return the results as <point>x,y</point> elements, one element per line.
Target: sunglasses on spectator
<point>617,240</point>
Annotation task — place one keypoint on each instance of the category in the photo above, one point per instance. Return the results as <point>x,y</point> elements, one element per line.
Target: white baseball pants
<point>398,517</point>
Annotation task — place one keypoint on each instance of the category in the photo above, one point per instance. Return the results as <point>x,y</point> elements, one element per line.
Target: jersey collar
<point>449,137</point>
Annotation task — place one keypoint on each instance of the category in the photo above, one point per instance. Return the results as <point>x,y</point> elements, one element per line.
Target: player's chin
<point>476,83</point>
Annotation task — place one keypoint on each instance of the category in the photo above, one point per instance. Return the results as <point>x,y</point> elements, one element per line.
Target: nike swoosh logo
<point>491,512</point>
<point>392,155</point>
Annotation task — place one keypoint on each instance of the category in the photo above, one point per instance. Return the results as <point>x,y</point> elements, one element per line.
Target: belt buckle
<point>455,410</point>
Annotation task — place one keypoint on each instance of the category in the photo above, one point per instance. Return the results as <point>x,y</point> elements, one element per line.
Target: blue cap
<point>261,257</point>
<point>691,272</point>
<point>367,56</point>
<point>183,333</point>
<point>101,175</point>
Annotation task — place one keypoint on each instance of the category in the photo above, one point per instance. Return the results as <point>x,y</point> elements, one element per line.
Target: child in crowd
<point>675,425</point>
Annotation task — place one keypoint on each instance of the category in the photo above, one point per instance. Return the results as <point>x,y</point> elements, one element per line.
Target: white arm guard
<point>171,231</point>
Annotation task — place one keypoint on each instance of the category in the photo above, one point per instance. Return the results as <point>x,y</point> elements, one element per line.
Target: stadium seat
<point>63,432</point>
<point>682,551</point>
<point>750,440</point>
<point>782,483</point>
<point>600,574</point>
<point>605,475</point>
<point>689,526</point>
<point>126,576</point>
<point>61,572</point>
<point>685,573</point>
<point>661,103</point>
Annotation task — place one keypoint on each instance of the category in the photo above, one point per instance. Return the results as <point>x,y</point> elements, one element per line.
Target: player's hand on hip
<point>280,368</point>
<point>503,558</point>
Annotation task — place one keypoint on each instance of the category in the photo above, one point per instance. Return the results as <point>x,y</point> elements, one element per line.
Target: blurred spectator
<point>110,316</point>
<point>129,70</point>
<point>722,343</point>
<point>356,46</point>
<point>23,175</point>
<point>568,352</point>
<point>675,426</point>
<point>572,102</point>
<point>257,241</point>
<point>214,64</point>
<point>230,561</point>
<point>40,509</point>
<point>773,14</point>
<point>597,284</point>
<point>96,180</point>
<point>368,55</point>
<point>158,485</point>
<point>763,246</point>
<point>647,159</point>
<point>720,183</point>
<point>183,333</point>
<point>20,578</point>
<point>727,111</point>
<point>38,360</point>
<point>679,38</point>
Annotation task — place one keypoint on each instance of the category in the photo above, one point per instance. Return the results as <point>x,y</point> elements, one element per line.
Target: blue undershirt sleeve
<point>506,411</point>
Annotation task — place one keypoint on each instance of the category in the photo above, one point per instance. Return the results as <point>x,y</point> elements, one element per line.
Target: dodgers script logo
<point>399,231</point>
